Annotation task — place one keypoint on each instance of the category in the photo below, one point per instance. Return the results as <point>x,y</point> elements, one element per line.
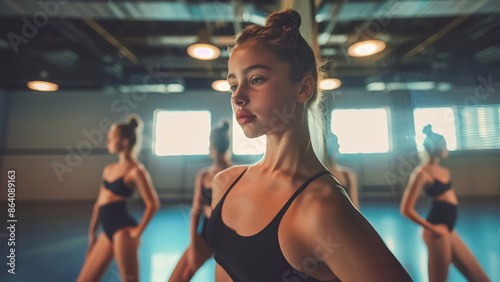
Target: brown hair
<point>130,130</point>
<point>434,142</point>
<point>219,136</point>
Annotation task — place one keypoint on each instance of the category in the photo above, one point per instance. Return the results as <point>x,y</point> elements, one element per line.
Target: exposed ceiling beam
<point>433,38</point>
<point>334,13</point>
<point>112,40</point>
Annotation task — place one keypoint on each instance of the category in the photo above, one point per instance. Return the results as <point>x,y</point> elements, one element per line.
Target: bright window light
<point>182,133</point>
<point>479,127</point>
<point>243,145</point>
<point>442,121</point>
<point>361,130</point>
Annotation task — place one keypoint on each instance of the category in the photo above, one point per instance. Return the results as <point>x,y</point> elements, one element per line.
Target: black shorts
<point>115,216</point>
<point>443,212</point>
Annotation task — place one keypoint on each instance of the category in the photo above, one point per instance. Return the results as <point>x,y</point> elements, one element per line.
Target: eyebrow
<point>249,69</point>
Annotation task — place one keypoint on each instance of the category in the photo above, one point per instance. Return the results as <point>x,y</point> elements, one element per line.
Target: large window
<point>182,133</point>
<point>442,121</point>
<point>243,145</point>
<point>480,127</point>
<point>467,128</point>
<point>361,130</point>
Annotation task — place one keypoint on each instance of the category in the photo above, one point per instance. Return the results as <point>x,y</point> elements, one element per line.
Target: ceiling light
<point>42,86</point>
<point>221,85</point>
<point>366,48</point>
<point>421,85</point>
<point>392,86</point>
<point>375,86</point>
<point>330,83</point>
<point>202,51</point>
<point>444,86</point>
<point>152,88</point>
<point>175,88</point>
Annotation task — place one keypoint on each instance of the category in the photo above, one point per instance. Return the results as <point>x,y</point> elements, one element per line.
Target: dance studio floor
<point>51,240</point>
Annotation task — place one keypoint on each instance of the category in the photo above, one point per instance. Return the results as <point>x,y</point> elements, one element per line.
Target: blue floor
<point>51,240</point>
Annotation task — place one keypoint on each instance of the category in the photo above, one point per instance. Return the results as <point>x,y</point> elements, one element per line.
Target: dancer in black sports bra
<point>286,218</point>
<point>121,236</point>
<point>443,243</point>
<point>199,251</point>
<point>344,175</point>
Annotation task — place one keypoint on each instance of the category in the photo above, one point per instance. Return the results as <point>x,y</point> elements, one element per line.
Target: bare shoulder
<point>324,209</point>
<point>223,180</point>
<point>420,173</point>
<point>107,169</point>
<point>202,172</point>
<point>201,176</point>
<point>324,194</point>
<point>138,170</point>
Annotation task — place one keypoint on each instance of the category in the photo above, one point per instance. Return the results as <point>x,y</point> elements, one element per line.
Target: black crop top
<point>257,257</point>
<point>206,195</point>
<point>437,188</point>
<point>119,188</point>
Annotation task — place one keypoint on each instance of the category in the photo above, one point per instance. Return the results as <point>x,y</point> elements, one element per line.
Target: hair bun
<point>133,122</point>
<point>288,19</point>
<point>224,125</point>
<point>427,130</point>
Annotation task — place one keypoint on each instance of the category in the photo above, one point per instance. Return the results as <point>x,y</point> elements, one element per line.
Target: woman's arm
<point>349,246</point>
<point>410,196</point>
<point>145,186</point>
<point>197,208</point>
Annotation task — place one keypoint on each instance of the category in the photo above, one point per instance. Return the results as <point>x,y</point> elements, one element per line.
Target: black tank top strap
<point>126,172</point>
<point>230,187</point>
<point>281,213</point>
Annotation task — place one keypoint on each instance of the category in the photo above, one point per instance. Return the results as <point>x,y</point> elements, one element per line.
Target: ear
<point>306,89</point>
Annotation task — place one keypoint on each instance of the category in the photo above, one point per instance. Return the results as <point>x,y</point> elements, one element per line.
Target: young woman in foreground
<point>443,243</point>
<point>121,236</point>
<point>265,224</point>
<point>199,251</point>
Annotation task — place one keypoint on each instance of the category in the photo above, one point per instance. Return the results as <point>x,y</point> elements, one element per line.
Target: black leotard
<point>114,216</point>
<point>257,257</point>
<point>441,211</point>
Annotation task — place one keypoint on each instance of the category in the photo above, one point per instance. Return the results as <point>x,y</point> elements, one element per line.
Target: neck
<point>125,156</point>
<point>290,150</point>
<point>433,161</point>
<point>220,161</point>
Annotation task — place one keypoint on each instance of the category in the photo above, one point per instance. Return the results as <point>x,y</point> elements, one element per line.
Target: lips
<point>244,117</point>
